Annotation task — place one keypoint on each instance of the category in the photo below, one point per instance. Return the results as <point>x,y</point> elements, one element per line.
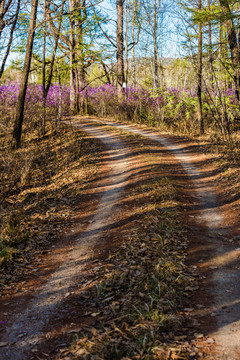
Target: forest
<point>119,179</point>
<point>176,63</point>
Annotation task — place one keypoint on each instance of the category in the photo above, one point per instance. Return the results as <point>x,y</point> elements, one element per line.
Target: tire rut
<point>219,257</point>
<point>26,329</point>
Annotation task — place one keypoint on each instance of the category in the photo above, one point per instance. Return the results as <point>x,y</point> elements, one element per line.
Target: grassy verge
<point>40,187</point>
<point>228,164</point>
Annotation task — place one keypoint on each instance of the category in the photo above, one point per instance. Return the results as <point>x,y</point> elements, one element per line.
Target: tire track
<point>29,326</point>
<point>221,256</point>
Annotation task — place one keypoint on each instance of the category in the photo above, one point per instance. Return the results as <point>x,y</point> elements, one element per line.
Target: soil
<point>35,321</point>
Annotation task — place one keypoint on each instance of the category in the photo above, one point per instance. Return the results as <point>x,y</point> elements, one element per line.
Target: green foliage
<point>14,236</point>
<point>6,252</point>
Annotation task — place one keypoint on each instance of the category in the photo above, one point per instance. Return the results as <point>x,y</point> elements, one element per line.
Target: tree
<point>233,42</point>
<point>77,42</point>
<point>8,16</point>
<point>54,45</point>
<point>18,121</point>
<point>154,23</point>
<point>133,24</point>
<point>135,37</point>
<point>210,45</point>
<point>81,17</point>
<point>199,70</point>
<point>120,53</point>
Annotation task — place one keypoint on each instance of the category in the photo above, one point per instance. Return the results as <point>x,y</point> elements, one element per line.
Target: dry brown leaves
<point>139,291</point>
<point>40,186</point>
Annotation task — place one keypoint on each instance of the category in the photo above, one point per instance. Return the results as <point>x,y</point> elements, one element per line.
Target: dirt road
<point>28,317</point>
<point>214,253</point>
<point>34,318</point>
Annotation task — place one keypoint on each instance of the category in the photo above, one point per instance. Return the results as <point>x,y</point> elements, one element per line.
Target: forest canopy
<point>166,63</point>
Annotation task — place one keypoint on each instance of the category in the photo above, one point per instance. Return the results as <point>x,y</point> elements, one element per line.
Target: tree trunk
<point>44,69</point>
<point>10,37</point>
<point>80,71</point>
<point>2,22</point>
<point>17,131</point>
<point>60,100</point>
<point>56,34</point>
<point>233,44</point>
<point>210,47</point>
<point>155,58</point>
<point>72,59</point>
<point>133,65</point>
<point>126,40</point>
<point>120,61</point>
<point>133,62</point>
<point>199,72</point>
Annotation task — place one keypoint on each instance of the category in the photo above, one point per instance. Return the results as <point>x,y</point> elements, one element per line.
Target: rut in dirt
<point>219,297</point>
<point>27,327</point>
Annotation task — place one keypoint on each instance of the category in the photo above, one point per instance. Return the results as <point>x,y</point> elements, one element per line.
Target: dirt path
<point>27,326</point>
<point>32,318</point>
<point>219,260</point>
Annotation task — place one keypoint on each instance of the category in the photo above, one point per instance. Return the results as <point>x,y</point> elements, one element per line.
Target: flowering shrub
<point>173,108</point>
<point>33,105</point>
<point>140,105</point>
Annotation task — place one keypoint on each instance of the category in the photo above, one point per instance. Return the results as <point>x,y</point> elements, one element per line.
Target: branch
<point>103,31</point>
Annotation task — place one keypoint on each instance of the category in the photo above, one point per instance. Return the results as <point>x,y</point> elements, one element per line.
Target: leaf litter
<point>140,295</point>
<point>40,189</point>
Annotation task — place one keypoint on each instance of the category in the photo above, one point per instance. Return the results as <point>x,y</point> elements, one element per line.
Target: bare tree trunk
<point>46,84</point>
<point>155,58</point>
<point>56,35</point>
<point>72,59</point>
<point>106,72</point>
<point>44,69</point>
<point>120,61</point>
<point>80,71</point>
<point>2,22</point>
<point>10,37</point>
<point>199,72</point>
<point>133,67</point>
<point>17,131</point>
<point>133,62</point>
<point>210,47</point>
<point>60,100</point>
<point>126,40</point>
<point>233,44</point>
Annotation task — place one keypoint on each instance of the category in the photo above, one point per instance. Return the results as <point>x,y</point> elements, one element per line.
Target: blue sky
<point>170,48</point>
<point>172,40</point>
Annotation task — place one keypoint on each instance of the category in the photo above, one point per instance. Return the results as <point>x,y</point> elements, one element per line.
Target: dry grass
<point>40,186</point>
<point>228,164</point>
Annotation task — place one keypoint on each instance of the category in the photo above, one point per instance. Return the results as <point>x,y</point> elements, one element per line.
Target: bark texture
<point>233,44</point>
<point>155,28</point>
<point>72,58</point>
<point>81,16</point>
<point>120,58</point>
<point>199,72</point>
<point>17,131</point>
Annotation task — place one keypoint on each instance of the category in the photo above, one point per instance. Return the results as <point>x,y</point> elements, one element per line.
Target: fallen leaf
<point>81,352</point>
<point>2,344</point>
<point>210,341</point>
<point>95,314</point>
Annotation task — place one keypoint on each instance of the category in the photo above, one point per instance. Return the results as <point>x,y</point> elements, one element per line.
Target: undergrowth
<point>40,186</point>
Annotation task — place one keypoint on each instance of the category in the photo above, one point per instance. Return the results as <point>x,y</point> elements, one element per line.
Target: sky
<point>171,44</point>
<point>108,7</point>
